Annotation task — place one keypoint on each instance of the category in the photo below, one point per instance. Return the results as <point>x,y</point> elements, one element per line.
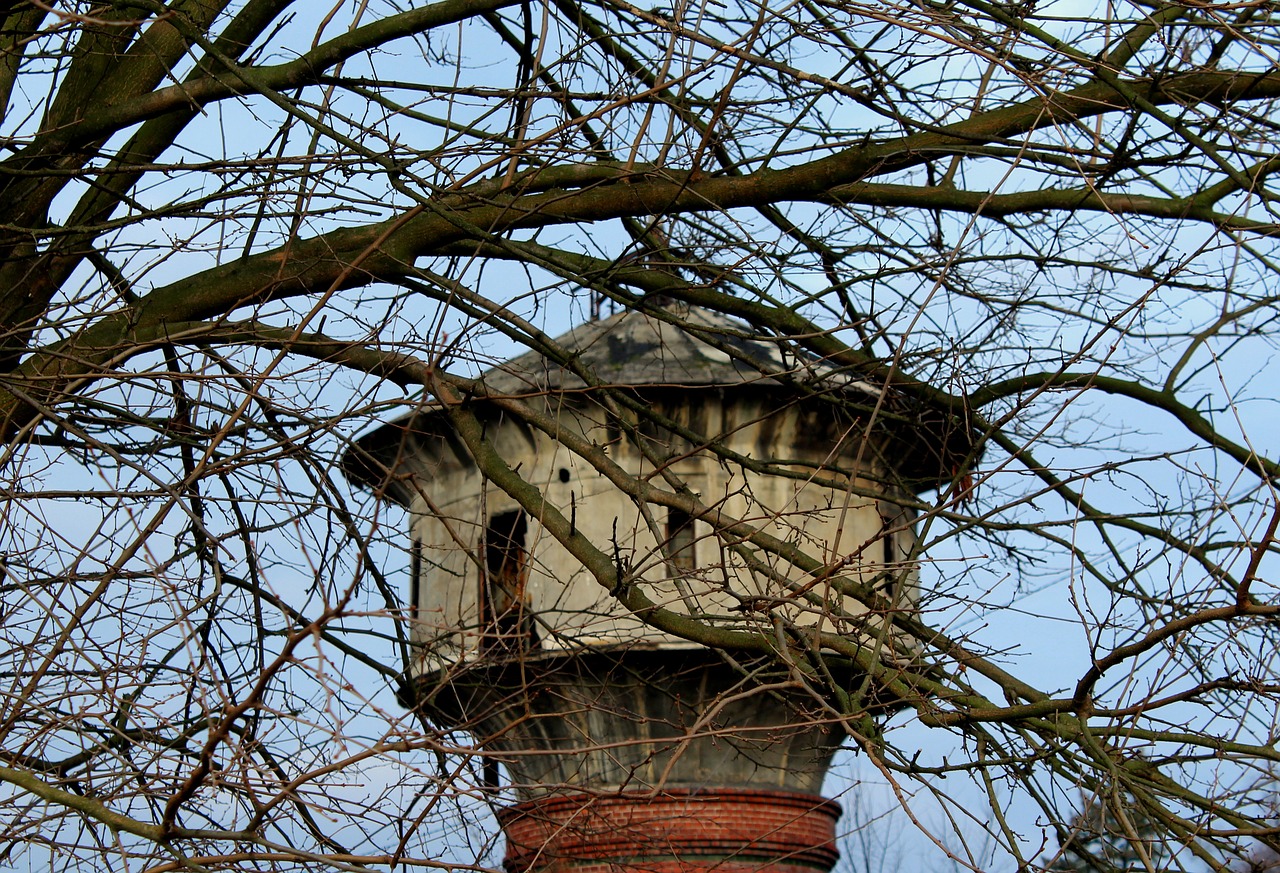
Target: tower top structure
<point>705,458</point>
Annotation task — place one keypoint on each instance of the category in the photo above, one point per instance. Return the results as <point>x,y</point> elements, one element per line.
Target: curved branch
<point>1164,400</point>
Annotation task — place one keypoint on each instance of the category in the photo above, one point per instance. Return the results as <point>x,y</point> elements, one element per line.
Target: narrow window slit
<point>680,541</point>
<point>415,578</point>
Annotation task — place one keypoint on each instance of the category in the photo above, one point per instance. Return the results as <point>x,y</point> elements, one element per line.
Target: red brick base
<point>697,831</point>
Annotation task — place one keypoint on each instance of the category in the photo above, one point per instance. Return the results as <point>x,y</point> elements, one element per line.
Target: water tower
<point>625,746</point>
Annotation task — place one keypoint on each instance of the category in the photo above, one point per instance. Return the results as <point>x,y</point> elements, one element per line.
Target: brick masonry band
<point>725,830</point>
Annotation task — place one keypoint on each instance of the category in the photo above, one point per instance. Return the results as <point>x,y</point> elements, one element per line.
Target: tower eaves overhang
<point>663,350</point>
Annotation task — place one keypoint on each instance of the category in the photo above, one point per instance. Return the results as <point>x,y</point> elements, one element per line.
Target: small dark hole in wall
<point>564,474</point>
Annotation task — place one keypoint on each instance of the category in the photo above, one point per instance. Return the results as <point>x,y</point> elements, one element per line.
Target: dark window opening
<point>680,543</point>
<point>889,573</point>
<point>506,608</point>
<point>613,436</point>
<point>415,578</point>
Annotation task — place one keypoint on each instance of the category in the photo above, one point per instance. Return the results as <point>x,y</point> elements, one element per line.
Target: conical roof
<point>671,346</point>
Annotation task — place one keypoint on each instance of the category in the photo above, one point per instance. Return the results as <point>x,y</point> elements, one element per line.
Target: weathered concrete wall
<point>685,567</point>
